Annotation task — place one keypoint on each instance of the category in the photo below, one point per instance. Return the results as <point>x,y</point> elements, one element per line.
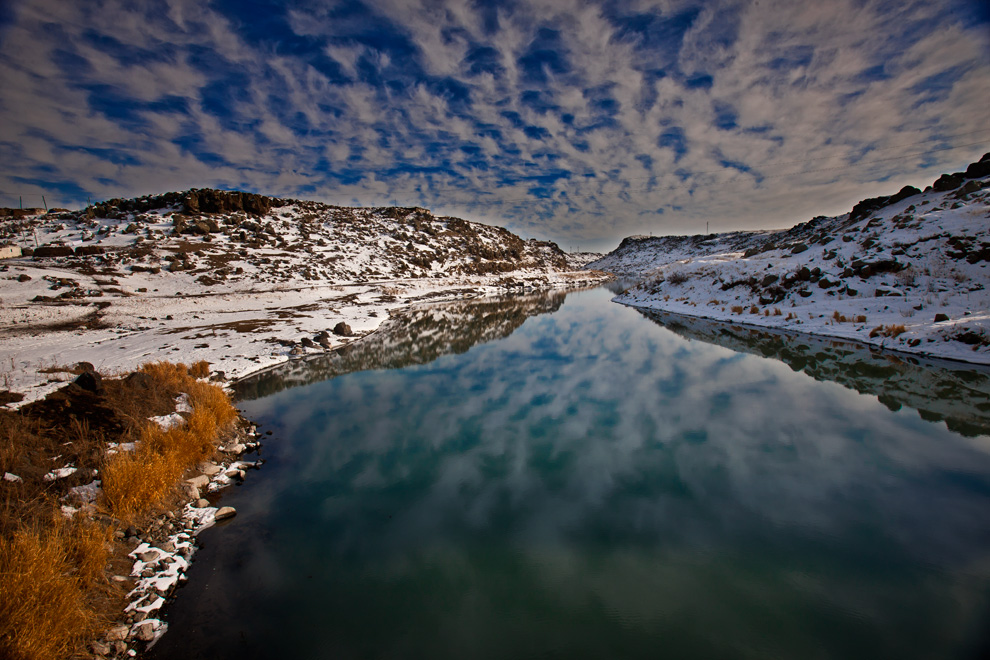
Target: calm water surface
<point>587,483</point>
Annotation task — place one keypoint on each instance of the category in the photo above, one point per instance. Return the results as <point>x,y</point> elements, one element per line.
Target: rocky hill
<point>905,271</point>
<point>243,281</point>
<point>227,237</point>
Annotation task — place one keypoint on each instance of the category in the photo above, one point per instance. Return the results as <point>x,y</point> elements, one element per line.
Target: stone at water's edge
<point>226,512</point>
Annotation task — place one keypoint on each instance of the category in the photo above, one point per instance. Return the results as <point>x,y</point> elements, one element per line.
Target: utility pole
<point>45,202</point>
<point>20,202</point>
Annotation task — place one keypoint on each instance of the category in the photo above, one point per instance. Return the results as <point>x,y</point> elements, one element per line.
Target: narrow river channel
<point>554,477</point>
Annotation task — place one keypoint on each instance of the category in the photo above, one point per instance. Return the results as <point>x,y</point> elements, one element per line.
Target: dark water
<point>570,479</point>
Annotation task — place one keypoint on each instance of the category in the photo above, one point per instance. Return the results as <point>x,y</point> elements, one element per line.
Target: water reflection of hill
<point>939,390</point>
<point>416,336</point>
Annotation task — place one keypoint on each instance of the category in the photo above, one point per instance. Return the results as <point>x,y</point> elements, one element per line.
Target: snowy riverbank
<point>909,272</point>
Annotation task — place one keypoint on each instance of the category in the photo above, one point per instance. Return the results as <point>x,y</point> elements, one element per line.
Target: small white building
<point>9,251</point>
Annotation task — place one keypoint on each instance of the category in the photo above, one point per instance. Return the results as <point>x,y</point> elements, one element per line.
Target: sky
<point>575,121</point>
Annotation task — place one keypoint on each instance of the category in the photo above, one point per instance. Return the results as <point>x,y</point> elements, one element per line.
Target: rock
<point>90,381</point>
<point>980,169</point>
<point>799,248</point>
<point>768,280</point>
<point>941,317</point>
<point>967,189</point>
<point>308,343</point>
<point>132,531</point>
<point>23,277</point>
<point>84,250</point>
<point>236,448</point>
<point>202,504</point>
<point>199,481</point>
<point>100,648</point>
<point>803,274</point>
<point>948,182</point>
<point>342,330</point>
<point>904,193</point>
<point>168,546</point>
<point>191,492</point>
<point>117,633</point>
<point>145,632</point>
<point>148,555</point>
<point>119,647</point>
<point>324,342</point>
<point>297,350</point>
<point>209,469</point>
<point>138,380</point>
<point>225,512</point>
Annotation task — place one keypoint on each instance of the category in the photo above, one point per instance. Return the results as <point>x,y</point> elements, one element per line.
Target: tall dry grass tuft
<point>136,482</point>
<point>46,574</point>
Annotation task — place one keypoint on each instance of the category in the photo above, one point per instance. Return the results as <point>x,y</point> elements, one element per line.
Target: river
<point>564,477</point>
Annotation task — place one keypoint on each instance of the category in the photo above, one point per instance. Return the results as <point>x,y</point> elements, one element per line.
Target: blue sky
<point>581,122</point>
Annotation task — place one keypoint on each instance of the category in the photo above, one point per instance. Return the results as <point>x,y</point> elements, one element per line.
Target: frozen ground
<point>911,275</point>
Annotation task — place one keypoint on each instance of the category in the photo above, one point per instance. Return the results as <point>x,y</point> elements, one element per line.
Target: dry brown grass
<point>135,482</point>
<point>53,584</point>
<point>48,574</point>
<point>737,309</point>
<point>888,330</point>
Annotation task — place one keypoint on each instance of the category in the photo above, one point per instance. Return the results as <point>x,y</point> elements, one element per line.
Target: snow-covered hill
<point>907,271</point>
<point>241,280</point>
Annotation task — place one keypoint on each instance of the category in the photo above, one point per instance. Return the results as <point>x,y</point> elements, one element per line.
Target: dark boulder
<point>84,250</point>
<point>904,193</point>
<point>342,330</point>
<point>90,381</point>
<point>221,201</point>
<point>980,169</point>
<point>948,182</point>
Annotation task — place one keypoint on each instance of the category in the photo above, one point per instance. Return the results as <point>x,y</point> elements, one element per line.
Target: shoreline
<point>151,562</point>
<point>791,331</point>
<point>239,332</point>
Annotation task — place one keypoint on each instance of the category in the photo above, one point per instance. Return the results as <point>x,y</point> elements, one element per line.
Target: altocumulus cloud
<point>577,121</point>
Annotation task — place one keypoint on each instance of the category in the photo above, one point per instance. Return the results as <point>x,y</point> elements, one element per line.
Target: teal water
<point>584,482</point>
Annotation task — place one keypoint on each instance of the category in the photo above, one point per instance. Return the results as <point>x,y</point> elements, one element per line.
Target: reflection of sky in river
<point>673,483</point>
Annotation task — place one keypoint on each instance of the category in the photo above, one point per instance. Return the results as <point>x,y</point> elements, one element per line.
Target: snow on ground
<point>241,291</point>
<point>911,276</point>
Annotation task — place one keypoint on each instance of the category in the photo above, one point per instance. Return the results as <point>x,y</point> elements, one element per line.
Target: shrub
<point>677,278</point>
<point>887,331</point>
<point>200,369</point>
<point>737,309</point>
<point>135,482</point>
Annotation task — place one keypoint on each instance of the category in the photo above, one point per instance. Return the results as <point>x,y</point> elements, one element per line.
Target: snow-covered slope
<point>240,280</point>
<point>907,272</point>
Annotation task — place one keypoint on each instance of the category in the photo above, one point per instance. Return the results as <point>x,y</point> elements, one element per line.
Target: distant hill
<point>217,237</point>
<point>907,271</point>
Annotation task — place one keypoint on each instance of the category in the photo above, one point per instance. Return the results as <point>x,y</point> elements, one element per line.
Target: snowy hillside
<point>240,280</point>
<point>907,272</point>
